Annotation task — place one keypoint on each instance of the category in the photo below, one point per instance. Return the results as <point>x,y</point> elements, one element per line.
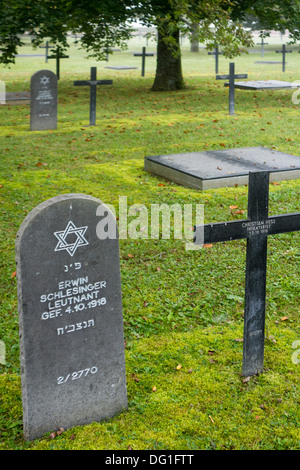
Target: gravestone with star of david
<point>70,315</point>
<point>43,100</point>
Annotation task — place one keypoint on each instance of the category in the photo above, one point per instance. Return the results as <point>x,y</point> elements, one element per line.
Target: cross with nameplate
<point>92,83</point>
<point>144,54</point>
<point>262,44</point>
<point>57,54</point>
<point>231,78</point>
<point>283,52</point>
<point>216,53</point>
<point>256,230</point>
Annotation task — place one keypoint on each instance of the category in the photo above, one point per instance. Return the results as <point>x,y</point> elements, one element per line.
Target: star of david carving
<point>44,80</point>
<point>71,245</point>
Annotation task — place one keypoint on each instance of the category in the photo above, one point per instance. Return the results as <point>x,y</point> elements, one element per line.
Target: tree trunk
<point>168,68</point>
<point>194,46</point>
<point>194,38</point>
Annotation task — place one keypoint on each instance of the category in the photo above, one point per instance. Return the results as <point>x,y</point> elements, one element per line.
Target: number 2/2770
<point>77,375</point>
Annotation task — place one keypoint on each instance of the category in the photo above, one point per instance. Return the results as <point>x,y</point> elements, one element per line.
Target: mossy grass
<point>181,308</point>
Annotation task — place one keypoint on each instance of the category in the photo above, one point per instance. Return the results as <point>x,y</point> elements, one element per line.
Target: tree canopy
<point>104,24</point>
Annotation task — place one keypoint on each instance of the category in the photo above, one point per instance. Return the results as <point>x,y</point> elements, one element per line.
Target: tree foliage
<point>106,23</point>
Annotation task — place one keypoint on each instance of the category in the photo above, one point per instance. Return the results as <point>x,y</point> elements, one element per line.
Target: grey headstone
<point>70,315</point>
<point>43,101</point>
<point>223,168</point>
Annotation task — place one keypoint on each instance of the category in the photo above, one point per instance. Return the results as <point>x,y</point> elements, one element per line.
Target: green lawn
<point>181,308</point>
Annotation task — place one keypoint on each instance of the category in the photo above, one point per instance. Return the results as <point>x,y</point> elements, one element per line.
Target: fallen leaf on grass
<point>41,164</point>
<point>284,318</point>
<point>247,379</point>
<point>239,211</point>
<point>178,367</point>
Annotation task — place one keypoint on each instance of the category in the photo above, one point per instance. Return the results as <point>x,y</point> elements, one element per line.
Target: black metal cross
<point>283,52</point>
<point>92,83</point>
<point>256,230</point>
<point>262,44</point>
<point>57,55</point>
<point>231,78</point>
<point>46,47</point>
<point>144,54</point>
<point>216,53</point>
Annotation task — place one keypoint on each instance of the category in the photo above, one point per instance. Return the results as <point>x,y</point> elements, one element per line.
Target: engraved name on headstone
<point>43,101</point>
<point>70,316</point>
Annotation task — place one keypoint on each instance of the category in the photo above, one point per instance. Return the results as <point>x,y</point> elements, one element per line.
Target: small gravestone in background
<point>70,315</point>
<point>283,52</point>
<point>93,83</point>
<point>262,44</point>
<point>143,55</point>
<point>232,76</point>
<point>43,100</point>
<point>57,55</point>
<point>216,53</point>
<point>46,47</point>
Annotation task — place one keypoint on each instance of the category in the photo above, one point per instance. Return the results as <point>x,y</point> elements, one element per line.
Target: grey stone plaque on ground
<point>222,168</point>
<point>70,315</point>
<point>43,101</point>
<point>120,67</point>
<point>267,62</point>
<point>264,85</point>
<point>17,97</point>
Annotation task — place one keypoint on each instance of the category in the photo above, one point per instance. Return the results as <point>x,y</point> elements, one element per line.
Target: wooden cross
<point>216,53</point>
<point>262,44</point>
<point>283,52</point>
<point>93,83</point>
<point>57,55</point>
<point>256,230</point>
<point>144,54</point>
<point>231,78</point>
<point>46,47</point>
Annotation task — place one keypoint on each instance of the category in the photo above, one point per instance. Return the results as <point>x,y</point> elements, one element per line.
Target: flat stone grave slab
<point>268,62</point>
<point>263,85</point>
<point>223,168</point>
<point>120,67</point>
<point>17,97</point>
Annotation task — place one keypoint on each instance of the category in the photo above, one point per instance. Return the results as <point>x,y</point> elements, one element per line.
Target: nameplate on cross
<point>256,230</point>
